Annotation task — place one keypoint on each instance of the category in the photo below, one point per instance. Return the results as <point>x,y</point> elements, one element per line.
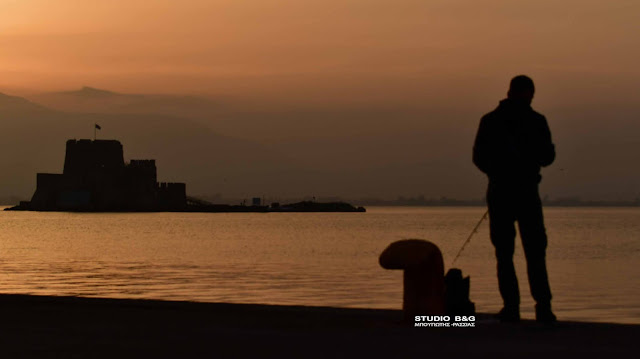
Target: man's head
<point>521,89</point>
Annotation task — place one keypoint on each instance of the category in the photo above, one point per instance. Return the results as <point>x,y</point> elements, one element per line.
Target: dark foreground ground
<point>68,327</point>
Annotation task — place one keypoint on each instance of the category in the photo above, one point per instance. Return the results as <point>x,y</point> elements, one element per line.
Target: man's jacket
<point>512,143</point>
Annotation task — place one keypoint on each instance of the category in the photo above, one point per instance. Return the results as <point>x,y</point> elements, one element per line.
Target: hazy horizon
<point>372,98</point>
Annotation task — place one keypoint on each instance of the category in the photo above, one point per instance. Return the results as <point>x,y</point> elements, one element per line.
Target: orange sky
<point>414,47</point>
<point>414,75</point>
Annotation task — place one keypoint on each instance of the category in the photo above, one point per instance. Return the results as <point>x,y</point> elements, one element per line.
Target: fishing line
<point>475,229</point>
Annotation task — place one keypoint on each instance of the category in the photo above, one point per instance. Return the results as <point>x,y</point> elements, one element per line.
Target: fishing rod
<point>475,229</point>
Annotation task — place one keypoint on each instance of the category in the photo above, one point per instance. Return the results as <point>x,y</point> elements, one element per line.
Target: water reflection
<point>309,259</point>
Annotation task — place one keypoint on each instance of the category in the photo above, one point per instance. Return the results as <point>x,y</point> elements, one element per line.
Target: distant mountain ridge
<point>345,151</point>
<point>33,137</point>
<point>14,105</point>
<point>94,100</point>
<point>327,151</point>
<point>90,92</point>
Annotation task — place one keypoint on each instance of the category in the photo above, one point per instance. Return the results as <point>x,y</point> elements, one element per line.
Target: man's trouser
<point>507,204</point>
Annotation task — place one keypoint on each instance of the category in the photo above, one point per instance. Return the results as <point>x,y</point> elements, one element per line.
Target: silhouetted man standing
<point>512,143</point>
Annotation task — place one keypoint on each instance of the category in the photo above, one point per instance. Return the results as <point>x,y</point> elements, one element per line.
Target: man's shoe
<point>545,315</point>
<point>509,315</point>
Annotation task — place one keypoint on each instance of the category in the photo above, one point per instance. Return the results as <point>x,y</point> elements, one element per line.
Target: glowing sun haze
<point>395,88</point>
<point>204,45</point>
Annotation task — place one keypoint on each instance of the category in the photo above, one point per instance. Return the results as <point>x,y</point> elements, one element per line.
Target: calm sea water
<point>328,259</point>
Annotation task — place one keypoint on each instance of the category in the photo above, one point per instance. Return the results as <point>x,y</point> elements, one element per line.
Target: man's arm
<point>482,147</point>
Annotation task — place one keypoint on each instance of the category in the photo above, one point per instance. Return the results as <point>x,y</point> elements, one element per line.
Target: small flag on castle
<point>96,127</point>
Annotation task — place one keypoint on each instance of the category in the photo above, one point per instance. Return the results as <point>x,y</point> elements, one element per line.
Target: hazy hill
<point>93,100</point>
<point>367,150</point>
<point>18,106</point>
<point>32,139</point>
<point>344,151</point>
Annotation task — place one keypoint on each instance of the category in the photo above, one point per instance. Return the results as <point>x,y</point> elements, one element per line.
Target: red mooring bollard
<point>424,288</point>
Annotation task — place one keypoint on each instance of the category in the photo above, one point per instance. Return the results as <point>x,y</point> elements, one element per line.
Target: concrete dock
<point>71,327</point>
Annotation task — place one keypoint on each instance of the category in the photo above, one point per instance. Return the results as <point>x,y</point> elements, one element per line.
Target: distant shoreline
<point>483,204</point>
<point>461,203</point>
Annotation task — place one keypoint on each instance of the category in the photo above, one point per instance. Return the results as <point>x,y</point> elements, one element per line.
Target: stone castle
<point>96,178</point>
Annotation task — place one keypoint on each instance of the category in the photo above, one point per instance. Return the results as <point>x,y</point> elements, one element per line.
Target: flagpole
<point>96,127</point>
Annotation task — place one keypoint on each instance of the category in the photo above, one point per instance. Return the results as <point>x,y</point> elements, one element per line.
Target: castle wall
<point>172,195</point>
<point>107,188</point>
<point>60,192</point>
<point>45,196</point>
<point>83,156</point>
<point>141,182</point>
